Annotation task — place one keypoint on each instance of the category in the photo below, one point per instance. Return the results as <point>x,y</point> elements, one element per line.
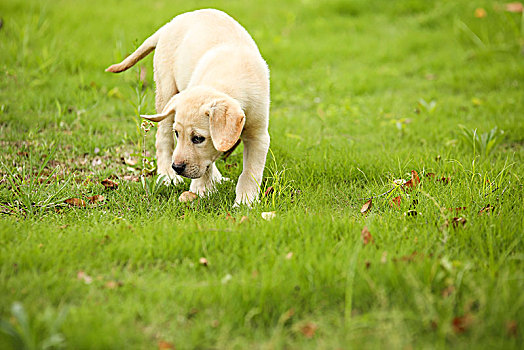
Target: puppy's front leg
<point>165,144</point>
<point>255,152</point>
<point>206,184</point>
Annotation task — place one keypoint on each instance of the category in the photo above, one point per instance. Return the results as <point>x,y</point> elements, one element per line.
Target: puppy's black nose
<point>179,167</point>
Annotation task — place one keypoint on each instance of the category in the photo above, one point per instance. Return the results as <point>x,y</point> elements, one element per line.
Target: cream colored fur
<point>211,82</point>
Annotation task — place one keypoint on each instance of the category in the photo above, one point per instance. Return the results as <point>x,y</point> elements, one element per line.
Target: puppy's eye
<point>176,134</point>
<point>197,139</point>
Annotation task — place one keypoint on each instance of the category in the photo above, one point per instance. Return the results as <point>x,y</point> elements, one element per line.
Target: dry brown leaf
<point>462,323</point>
<point>202,261</point>
<point>113,284</point>
<point>512,328</point>
<point>109,184</point>
<point>515,7</point>
<point>96,199</point>
<point>309,329</point>
<point>82,276</point>
<point>480,13</point>
<point>396,201</point>
<point>75,202</point>
<point>431,175</point>
<point>164,345</point>
<point>415,180</point>
<point>243,219</point>
<point>367,206</point>
<point>488,209</point>
<point>229,217</point>
<point>444,180</point>
<point>269,191</point>
<point>457,221</point>
<point>130,161</point>
<point>366,236</point>
<point>187,196</point>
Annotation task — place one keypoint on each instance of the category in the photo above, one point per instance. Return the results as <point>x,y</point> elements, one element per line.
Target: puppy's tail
<point>143,50</point>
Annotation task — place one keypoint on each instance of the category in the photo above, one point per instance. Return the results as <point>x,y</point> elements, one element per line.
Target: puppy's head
<point>206,124</point>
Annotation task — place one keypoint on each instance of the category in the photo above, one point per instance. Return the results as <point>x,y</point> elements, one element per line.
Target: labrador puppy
<point>212,90</point>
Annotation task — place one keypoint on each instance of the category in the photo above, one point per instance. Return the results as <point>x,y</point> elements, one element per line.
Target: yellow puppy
<point>212,89</point>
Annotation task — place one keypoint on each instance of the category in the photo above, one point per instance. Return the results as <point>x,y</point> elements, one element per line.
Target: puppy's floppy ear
<point>226,121</point>
<point>168,109</point>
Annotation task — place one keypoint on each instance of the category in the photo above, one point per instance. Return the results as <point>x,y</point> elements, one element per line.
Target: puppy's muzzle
<point>179,167</point>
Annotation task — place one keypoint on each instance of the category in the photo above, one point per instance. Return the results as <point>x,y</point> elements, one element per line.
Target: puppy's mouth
<point>194,172</point>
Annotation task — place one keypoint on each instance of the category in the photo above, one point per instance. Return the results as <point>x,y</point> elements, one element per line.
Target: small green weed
<point>482,144</point>
<point>25,335</point>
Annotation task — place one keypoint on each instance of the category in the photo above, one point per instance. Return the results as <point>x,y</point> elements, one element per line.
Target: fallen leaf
<point>309,330</point>
<point>367,206</point>
<point>444,180</point>
<point>488,209</point>
<point>366,236</point>
<point>229,217</point>
<point>130,161</point>
<point>515,7</point>
<point>462,323</point>
<point>269,191</point>
<point>202,261</point>
<point>368,264</point>
<point>164,345</point>
<point>109,184</point>
<point>269,215</point>
<point>432,175</point>
<point>82,276</point>
<point>243,219</point>
<point>396,201</point>
<point>75,202</point>
<point>480,13</point>
<point>63,227</point>
<point>457,209</point>
<point>113,284</point>
<point>96,199</point>
<point>457,221</point>
<point>415,180</point>
<point>187,196</point>
<point>512,328</point>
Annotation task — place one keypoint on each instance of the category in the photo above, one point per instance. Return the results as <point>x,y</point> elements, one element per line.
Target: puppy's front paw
<point>201,188</point>
<point>246,198</point>
<point>168,176</point>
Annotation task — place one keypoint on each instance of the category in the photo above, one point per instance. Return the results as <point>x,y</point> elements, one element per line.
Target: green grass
<point>363,92</point>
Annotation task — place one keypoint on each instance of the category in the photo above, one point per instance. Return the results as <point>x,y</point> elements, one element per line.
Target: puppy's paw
<point>169,177</point>
<point>246,198</point>
<point>202,188</point>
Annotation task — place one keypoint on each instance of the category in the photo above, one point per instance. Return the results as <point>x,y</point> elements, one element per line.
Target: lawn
<point>366,95</point>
